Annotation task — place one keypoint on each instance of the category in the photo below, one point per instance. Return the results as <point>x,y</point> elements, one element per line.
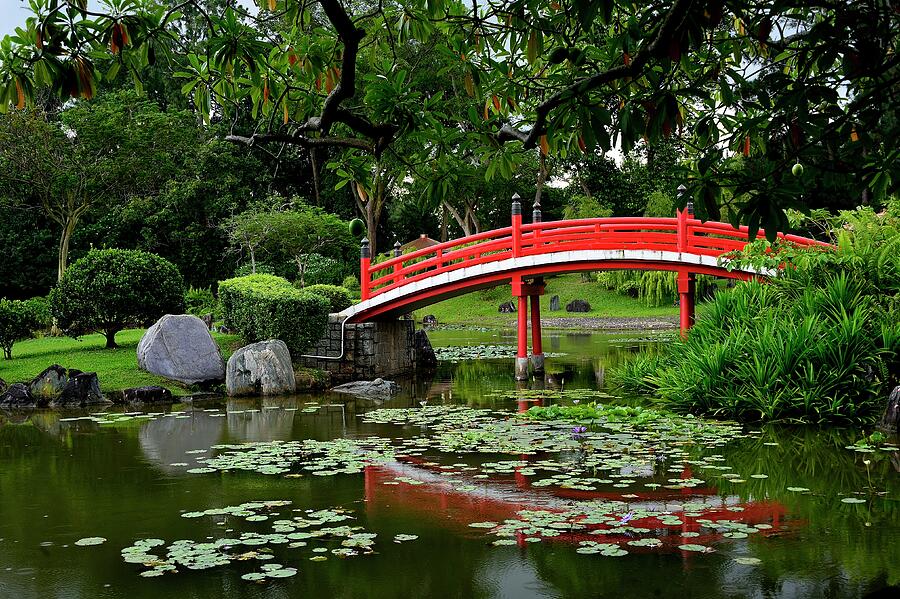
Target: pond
<point>443,492</point>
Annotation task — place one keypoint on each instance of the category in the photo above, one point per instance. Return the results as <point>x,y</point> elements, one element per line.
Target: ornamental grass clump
<point>818,343</point>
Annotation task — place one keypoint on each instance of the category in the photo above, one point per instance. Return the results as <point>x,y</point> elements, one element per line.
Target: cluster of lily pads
<point>622,528</point>
<point>325,526</point>
<point>457,353</point>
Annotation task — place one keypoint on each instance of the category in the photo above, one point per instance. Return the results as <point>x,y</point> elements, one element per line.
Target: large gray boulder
<point>377,389</point>
<point>260,368</point>
<point>180,347</point>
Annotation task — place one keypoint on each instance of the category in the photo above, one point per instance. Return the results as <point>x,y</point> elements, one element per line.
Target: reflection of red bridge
<point>435,497</point>
<point>522,254</point>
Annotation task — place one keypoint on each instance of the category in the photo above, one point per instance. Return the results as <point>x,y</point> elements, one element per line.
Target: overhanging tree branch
<point>673,22</point>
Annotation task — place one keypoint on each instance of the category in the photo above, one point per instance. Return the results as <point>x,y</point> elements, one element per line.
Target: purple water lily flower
<point>578,432</point>
<point>626,518</point>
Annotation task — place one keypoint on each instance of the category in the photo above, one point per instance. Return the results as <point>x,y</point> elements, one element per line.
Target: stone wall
<point>371,350</point>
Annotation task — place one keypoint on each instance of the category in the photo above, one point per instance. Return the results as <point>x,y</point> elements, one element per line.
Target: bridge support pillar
<point>522,349</point>
<point>687,284</point>
<point>537,352</point>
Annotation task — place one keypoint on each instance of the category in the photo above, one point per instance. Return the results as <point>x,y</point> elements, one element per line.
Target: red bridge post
<point>519,293</point>
<point>687,281</point>
<point>365,258</point>
<point>687,284</point>
<point>537,352</point>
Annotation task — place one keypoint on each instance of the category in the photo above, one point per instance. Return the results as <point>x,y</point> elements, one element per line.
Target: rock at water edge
<point>379,388</point>
<point>425,356</point>
<point>260,368</point>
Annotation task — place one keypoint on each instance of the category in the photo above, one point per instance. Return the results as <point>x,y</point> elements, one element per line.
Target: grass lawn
<point>480,307</point>
<point>117,369</point>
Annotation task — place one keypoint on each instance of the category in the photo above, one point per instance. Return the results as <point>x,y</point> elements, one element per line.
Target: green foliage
<point>295,240</point>
<point>428,84</point>
<point>109,290</point>
<point>247,269</point>
<point>201,302</point>
<point>593,411</point>
<point>339,298</point>
<point>581,206</point>
<point>818,343</point>
<point>659,205</point>
<point>322,270</point>
<point>262,307</point>
<point>351,284</point>
<point>17,321</point>
<point>40,308</point>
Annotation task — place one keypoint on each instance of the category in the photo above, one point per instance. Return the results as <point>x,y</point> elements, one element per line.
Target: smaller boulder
<point>554,304</point>
<point>890,420</point>
<point>207,320</point>
<point>82,389</point>
<point>425,357</point>
<point>260,368</point>
<point>377,389</point>
<point>50,383</point>
<point>507,308</point>
<point>578,306</point>
<point>430,320</point>
<point>150,394</point>
<point>18,396</point>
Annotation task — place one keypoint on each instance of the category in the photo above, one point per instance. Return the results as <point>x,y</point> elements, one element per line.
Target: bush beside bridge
<point>262,307</point>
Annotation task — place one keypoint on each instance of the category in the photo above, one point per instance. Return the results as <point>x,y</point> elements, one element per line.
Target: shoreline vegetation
<point>818,343</point>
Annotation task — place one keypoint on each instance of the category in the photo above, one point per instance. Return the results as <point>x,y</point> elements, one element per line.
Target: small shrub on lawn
<point>17,321</point>
<point>110,290</point>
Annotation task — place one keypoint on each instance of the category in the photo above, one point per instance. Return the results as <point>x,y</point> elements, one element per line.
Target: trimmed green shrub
<point>262,307</point>
<point>339,297</point>
<point>17,321</point>
<point>110,290</point>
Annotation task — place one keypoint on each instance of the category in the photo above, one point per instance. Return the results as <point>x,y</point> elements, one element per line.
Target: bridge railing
<point>682,233</point>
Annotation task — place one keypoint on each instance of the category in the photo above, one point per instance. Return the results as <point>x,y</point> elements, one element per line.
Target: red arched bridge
<point>522,254</point>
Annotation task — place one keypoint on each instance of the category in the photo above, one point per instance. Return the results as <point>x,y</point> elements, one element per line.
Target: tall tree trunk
<point>371,226</point>
<point>462,222</point>
<point>252,259</point>
<point>444,222</point>
<point>314,163</point>
<point>542,177</point>
<point>64,240</point>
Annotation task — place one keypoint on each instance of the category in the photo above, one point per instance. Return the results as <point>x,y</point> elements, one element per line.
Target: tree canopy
<point>777,81</point>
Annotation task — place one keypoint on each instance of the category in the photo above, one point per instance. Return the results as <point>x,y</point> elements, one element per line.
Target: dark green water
<point>63,481</point>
